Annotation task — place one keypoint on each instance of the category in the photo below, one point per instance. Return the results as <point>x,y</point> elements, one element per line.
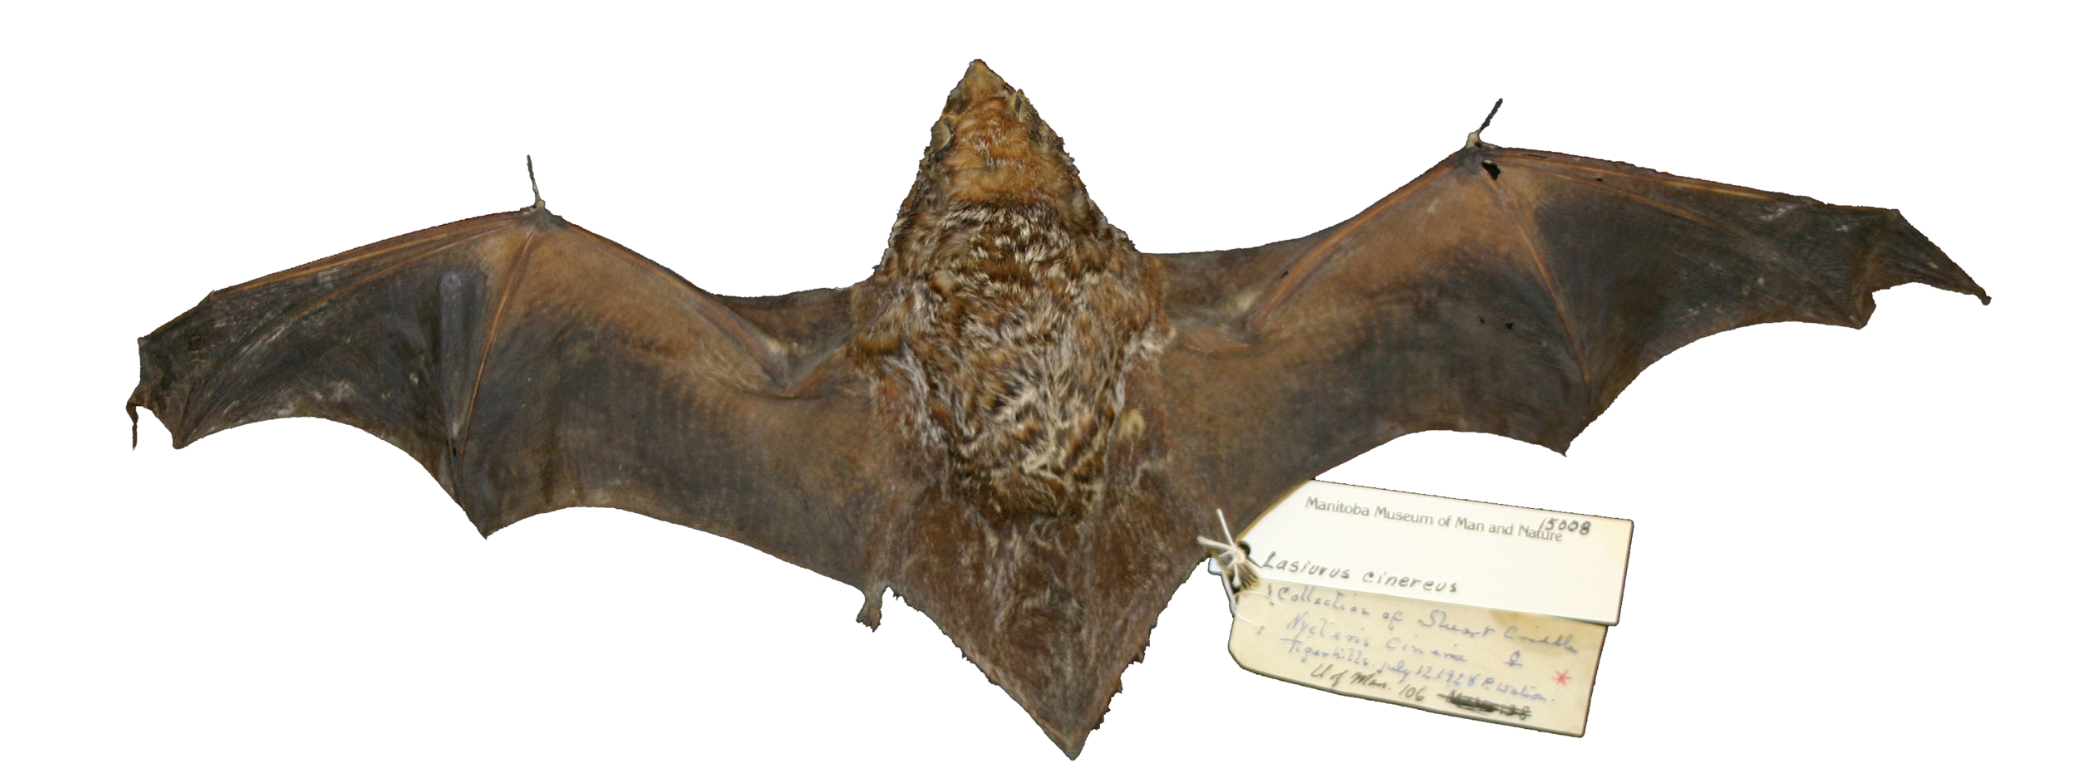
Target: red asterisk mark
<point>1561,678</point>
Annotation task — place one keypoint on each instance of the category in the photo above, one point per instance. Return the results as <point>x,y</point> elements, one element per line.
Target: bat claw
<point>537,203</point>
<point>871,609</point>
<point>1473,138</point>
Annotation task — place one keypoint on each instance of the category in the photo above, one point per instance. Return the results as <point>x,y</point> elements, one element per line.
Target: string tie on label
<point>1234,569</point>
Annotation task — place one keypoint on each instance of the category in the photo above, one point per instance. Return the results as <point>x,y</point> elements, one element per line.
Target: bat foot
<point>871,609</point>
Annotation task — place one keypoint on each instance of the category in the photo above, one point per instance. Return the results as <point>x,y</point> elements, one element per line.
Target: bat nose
<point>979,83</point>
<point>990,144</point>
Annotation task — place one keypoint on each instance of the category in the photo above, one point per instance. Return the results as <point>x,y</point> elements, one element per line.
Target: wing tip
<point>1905,255</point>
<point>151,394</point>
<point>177,437</point>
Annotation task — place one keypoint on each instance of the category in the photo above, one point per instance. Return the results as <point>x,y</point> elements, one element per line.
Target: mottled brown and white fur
<point>1015,335</point>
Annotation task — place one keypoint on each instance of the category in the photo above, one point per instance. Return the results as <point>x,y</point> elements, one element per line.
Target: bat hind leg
<point>871,607</point>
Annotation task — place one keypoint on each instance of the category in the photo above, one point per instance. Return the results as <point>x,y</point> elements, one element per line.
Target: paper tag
<point>1506,667</point>
<point>1445,549</point>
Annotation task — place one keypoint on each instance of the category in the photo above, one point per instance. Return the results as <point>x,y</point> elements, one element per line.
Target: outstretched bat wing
<point>1508,291</point>
<point>531,365</point>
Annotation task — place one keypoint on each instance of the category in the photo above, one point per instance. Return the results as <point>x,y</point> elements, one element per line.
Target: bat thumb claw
<point>1473,138</point>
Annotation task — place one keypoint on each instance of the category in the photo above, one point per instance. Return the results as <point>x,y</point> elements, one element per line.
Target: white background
<point>1856,551</point>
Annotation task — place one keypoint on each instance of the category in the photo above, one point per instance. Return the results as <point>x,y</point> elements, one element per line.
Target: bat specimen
<point>1021,423</point>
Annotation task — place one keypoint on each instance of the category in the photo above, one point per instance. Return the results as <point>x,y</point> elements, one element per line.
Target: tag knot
<point>1234,569</point>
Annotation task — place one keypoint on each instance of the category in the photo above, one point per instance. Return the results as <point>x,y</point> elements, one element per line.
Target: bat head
<point>990,146</point>
<point>1008,314</point>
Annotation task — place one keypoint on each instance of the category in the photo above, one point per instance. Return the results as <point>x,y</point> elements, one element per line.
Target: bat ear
<point>943,134</point>
<point>1024,110</point>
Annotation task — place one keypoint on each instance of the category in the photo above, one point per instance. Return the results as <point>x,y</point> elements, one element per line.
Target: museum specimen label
<point>1460,607</point>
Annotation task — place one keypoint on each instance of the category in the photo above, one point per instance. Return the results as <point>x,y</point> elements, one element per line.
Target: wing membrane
<point>531,365</point>
<point>1506,291</point>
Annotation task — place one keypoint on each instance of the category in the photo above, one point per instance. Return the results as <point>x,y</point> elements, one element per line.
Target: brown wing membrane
<point>1507,291</point>
<point>531,365</point>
